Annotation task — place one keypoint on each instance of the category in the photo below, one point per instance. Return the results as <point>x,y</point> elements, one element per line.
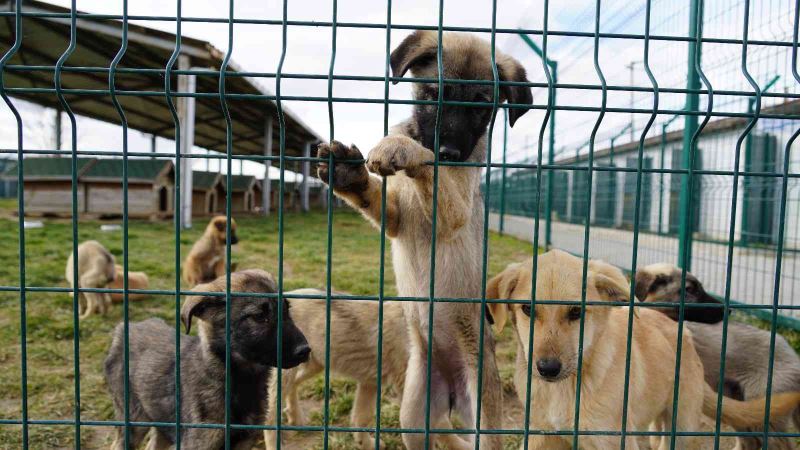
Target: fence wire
<point>705,180</point>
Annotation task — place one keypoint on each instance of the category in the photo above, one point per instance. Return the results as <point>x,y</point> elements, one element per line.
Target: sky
<point>362,52</point>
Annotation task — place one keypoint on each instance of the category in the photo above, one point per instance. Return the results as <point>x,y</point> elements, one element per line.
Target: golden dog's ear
<point>418,48</point>
<point>608,288</point>
<point>510,69</point>
<point>220,225</point>
<point>501,287</point>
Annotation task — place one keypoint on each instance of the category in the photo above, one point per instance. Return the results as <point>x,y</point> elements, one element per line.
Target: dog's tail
<point>749,413</point>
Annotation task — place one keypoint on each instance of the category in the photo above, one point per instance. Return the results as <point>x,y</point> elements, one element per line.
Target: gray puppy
<point>253,344</point>
<point>747,349</point>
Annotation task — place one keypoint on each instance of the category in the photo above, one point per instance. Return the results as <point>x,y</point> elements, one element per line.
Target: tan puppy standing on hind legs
<point>403,157</point>
<point>652,361</point>
<point>206,260</point>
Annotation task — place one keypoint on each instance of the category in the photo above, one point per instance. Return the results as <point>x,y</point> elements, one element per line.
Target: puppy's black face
<point>253,323</point>
<point>464,57</point>
<point>460,127</point>
<point>665,287</point>
<point>254,333</point>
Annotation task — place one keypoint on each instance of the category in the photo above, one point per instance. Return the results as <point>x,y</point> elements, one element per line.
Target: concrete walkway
<point>752,271</point>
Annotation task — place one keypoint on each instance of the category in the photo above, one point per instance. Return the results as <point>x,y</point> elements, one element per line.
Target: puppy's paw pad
<point>349,173</point>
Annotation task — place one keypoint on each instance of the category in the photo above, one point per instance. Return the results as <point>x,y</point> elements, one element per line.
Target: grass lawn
<point>50,345</point>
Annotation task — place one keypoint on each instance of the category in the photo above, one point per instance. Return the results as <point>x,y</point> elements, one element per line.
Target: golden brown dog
<point>206,260</point>
<point>354,355</point>
<point>652,365</point>
<point>403,157</point>
<point>95,270</point>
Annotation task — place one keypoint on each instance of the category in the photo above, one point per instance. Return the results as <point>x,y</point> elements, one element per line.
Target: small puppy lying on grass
<point>95,270</point>
<point>652,364</point>
<point>747,349</point>
<point>253,340</point>
<point>136,280</point>
<point>354,355</point>
<point>206,260</point>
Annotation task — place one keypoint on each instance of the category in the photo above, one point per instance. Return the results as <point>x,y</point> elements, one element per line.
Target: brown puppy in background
<point>556,342</point>
<point>206,260</point>
<point>403,157</point>
<point>95,270</point>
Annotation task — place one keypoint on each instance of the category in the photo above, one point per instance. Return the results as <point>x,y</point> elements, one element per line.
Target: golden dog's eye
<point>526,309</point>
<point>574,313</point>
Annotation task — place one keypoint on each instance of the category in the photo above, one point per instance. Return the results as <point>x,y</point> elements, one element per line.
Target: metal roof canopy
<point>255,128</point>
<point>99,40</point>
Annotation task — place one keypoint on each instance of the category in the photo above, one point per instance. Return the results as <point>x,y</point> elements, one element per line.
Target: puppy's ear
<point>198,306</point>
<point>418,48</point>
<point>609,289</point>
<point>501,287</point>
<point>643,282</point>
<point>510,69</point>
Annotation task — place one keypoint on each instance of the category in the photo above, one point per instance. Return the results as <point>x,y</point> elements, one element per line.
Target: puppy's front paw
<point>395,153</point>
<point>349,174</point>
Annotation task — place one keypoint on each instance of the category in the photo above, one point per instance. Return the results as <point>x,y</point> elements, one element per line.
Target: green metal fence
<point>673,192</point>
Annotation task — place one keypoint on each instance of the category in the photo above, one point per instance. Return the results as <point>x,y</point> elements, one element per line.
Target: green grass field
<point>50,344</point>
<point>50,361</point>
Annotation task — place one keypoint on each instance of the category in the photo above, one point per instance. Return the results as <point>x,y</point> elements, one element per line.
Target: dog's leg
<point>157,442</point>
<point>352,182</point>
<point>304,372</point>
<point>271,436</point>
<point>412,405</point>
<point>135,438</point>
<point>397,152</point>
<point>219,266</point>
<point>452,440</point>
<point>546,443</point>
<point>363,415</point>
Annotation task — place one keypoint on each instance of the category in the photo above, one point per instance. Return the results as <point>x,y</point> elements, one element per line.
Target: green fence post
<point>689,128</point>
<point>503,174</point>
<point>551,157</point>
<point>748,161</point>
<point>548,223</point>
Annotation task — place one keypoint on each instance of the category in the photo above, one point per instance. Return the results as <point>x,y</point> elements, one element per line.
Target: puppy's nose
<point>448,153</point>
<point>234,240</point>
<point>301,353</point>
<point>548,367</point>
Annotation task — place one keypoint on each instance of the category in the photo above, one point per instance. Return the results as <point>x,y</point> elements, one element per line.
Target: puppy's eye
<point>574,313</point>
<point>260,318</point>
<point>526,309</point>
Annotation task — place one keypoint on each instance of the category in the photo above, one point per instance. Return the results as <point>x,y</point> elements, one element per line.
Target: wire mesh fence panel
<point>635,133</point>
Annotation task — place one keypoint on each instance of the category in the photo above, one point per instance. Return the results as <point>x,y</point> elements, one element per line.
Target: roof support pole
<point>306,171</point>
<point>266,189</point>
<point>153,145</point>
<point>57,128</point>
<point>186,112</point>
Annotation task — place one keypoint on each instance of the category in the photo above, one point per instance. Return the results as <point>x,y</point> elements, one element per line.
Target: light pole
<point>630,67</point>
